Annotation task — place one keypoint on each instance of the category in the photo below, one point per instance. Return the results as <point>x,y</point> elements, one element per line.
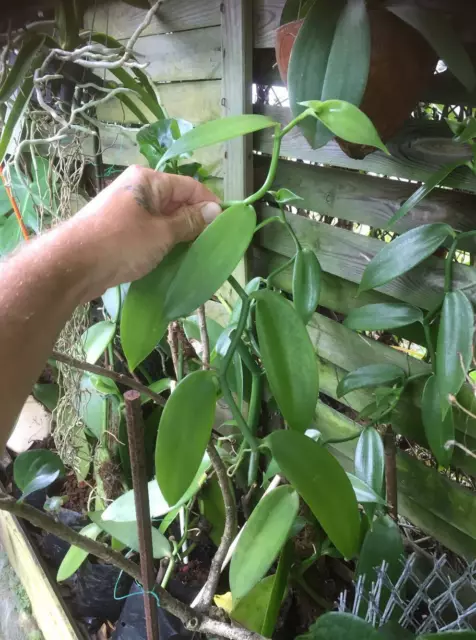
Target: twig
<point>209,589</point>
<point>43,521</point>
<point>117,377</point>
<point>391,471</point>
<point>202,324</point>
<point>135,433</point>
<point>173,344</point>
<point>190,619</point>
<point>122,360</point>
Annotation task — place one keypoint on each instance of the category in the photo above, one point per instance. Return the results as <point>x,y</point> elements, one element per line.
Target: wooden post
<point>237,53</point>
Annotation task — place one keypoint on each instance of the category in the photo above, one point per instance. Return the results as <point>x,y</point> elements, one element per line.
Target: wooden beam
<point>237,51</point>
<point>48,609</point>
<point>365,199</point>
<point>419,149</point>
<point>120,20</point>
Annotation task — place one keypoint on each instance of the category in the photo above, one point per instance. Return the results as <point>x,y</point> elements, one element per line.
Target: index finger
<point>175,191</point>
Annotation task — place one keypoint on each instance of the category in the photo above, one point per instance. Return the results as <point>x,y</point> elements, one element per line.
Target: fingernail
<point>210,211</point>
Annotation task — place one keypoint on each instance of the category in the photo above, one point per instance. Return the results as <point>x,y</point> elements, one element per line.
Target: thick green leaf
<point>126,532</point>
<point>215,131</point>
<point>329,60</point>
<point>263,536</point>
<point>391,630</point>
<point>212,508</point>
<point>363,492</point>
<point>91,406</point>
<point>382,315</point>
<point>383,542</point>
<point>96,339</point>
<point>311,470</point>
<point>465,132</point>
<point>75,556</point>
<point>372,375</point>
<point>404,253</point>
<point>438,429</point>
<point>154,139</point>
<point>47,394</point>
<point>450,635</point>
<point>454,349</point>
<point>21,101</point>
<point>123,508</point>
<point>82,454</point>
<point>280,584</point>
<point>159,386</point>
<point>23,65</point>
<point>346,121</point>
<point>433,181</point>
<point>369,460</point>
<point>211,259</point>
<point>37,469</point>
<point>113,300</point>
<point>184,431</point>
<point>291,365</point>
<point>340,626</point>
<point>440,35</point>
<point>306,283</point>
<point>250,611</point>
<point>143,322</point>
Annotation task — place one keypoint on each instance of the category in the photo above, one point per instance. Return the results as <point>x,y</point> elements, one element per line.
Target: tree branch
<point>117,377</point>
<point>202,324</point>
<point>190,618</point>
<point>229,532</point>
<point>390,451</point>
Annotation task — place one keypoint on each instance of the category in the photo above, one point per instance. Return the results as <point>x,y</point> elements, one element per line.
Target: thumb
<point>190,220</point>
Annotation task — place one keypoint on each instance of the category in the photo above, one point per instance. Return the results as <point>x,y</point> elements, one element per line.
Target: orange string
<point>14,206</point>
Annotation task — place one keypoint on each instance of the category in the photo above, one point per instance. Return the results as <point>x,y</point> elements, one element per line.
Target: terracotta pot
<point>401,67</point>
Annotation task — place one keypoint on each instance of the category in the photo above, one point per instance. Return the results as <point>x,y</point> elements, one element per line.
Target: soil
<point>78,494</point>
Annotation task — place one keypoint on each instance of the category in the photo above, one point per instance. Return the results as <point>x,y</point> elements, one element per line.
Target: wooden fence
<point>187,57</point>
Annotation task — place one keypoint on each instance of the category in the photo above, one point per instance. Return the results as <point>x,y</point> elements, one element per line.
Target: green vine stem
<point>253,419</point>
<point>449,262</point>
<point>430,346</point>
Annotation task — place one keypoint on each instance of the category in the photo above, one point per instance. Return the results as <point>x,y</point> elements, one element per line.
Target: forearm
<point>40,287</point>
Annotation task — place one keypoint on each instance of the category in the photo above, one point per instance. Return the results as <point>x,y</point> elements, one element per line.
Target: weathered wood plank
<point>193,101</point>
<point>121,20</point>
<point>346,254</point>
<point>366,199</point>
<point>237,50</point>
<point>183,55</point>
<point>268,13</point>
<point>50,614</point>
<point>416,152</point>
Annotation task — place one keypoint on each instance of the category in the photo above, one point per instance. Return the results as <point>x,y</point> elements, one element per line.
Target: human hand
<point>133,223</point>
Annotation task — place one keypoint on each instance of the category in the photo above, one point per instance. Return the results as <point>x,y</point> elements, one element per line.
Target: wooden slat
<point>417,151</point>
<point>121,20</point>
<point>366,199</point>
<point>237,49</point>
<point>193,101</point>
<point>268,14</point>
<point>346,254</point>
<point>184,55</point>
<point>52,617</point>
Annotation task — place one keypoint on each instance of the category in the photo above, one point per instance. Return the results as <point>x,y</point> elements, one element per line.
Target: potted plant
<point>379,56</point>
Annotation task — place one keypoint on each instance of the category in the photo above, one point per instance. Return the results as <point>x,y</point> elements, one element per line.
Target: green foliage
<point>47,394</point>
<point>126,532</point>
<point>154,139</point>
<point>369,460</point>
<point>37,469</point>
<point>382,315</point>
<point>96,339</point>
<point>29,49</point>
<point>455,345</point>
<point>329,60</point>
<point>372,375</point>
<point>214,132</point>
<point>307,276</point>
<point>439,427</point>
<point>75,556</point>
<point>184,431</point>
<point>340,626</point>
<point>404,253</point>
<point>309,468</point>
<point>364,492</point>
<point>290,366</point>
<point>383,542</point>
<point>262,538</point>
